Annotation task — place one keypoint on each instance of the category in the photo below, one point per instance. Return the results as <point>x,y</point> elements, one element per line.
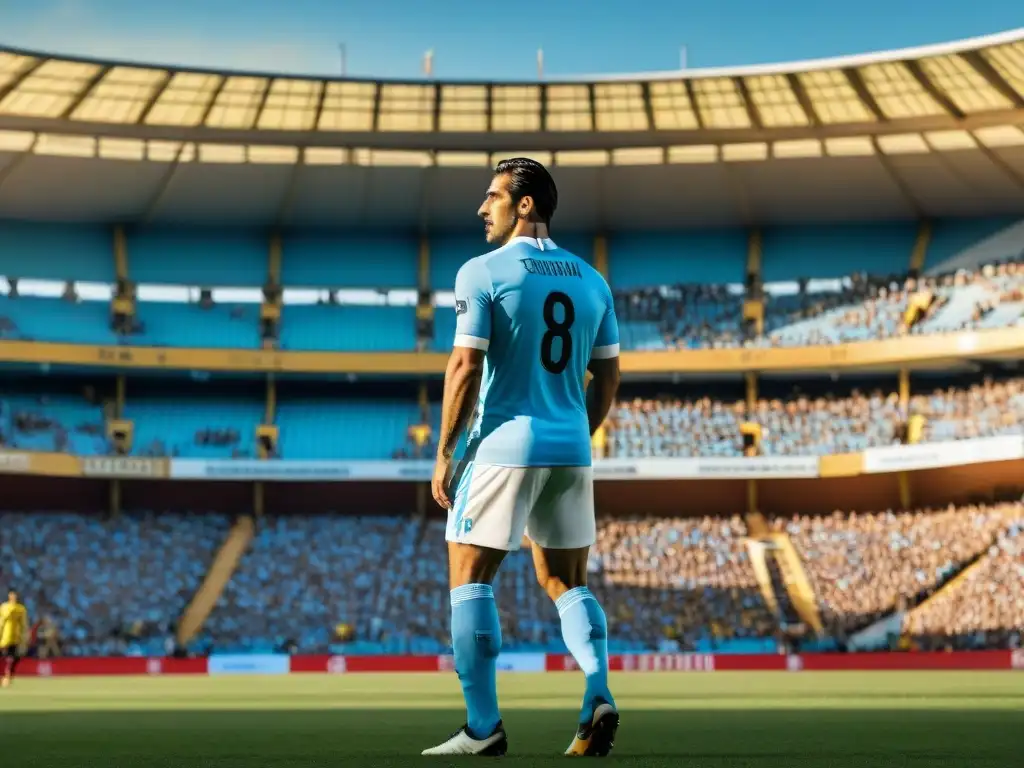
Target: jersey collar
<point>541,244</point>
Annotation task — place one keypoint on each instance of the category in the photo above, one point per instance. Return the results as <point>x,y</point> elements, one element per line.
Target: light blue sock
<point>585,632</point>
<point>476,639</point>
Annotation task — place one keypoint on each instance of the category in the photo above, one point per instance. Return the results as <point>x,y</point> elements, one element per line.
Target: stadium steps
<point>758,552</point>
<point>221,570</point>
<point>798,586</point>
<point>954,582</point>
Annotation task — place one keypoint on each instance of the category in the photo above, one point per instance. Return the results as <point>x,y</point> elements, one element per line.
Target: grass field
<point>740,720</point>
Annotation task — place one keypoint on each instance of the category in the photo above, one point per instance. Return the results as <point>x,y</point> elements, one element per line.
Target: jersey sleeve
<point>606,343</point>
<point>473,298</point>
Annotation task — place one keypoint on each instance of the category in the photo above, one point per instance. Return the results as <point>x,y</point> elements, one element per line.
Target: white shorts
<point>494,506</point>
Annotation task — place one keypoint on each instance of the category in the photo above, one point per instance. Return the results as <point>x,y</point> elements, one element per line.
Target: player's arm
<point>462,377</point>
<point>604,369</point>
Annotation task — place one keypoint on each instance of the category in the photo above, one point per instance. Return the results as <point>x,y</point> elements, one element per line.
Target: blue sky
<point>489,40</point>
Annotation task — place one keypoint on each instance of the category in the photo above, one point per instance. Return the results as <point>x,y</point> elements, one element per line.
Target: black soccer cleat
<point>596,738</point>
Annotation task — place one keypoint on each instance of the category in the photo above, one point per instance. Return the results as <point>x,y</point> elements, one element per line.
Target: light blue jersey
<point>541,314</point>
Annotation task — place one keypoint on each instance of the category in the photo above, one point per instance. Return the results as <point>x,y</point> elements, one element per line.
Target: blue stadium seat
<point>333,429</point>
<point>171,426</point>
<point>191,325</point>
<point>331,260</point>
<point>707,257</point>
<point>53,251</point>
<point>34,319</point>
<point>348,328</point>
<point>207,257</point>
<point>789,253</point>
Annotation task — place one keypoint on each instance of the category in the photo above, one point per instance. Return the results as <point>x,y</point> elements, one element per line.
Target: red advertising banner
<point>903,661</point>
<point>111,666</point>
<point>676,662</point>
<point>345,664</point>
<point>554,662</point>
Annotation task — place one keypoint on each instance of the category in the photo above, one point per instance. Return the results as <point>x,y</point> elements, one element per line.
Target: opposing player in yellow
<point>13,631</point>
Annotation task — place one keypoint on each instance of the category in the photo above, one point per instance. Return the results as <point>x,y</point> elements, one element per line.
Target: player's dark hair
<point>528,177</point>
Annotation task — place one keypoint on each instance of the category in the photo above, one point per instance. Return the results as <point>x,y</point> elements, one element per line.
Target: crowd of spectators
<point>685,316</point>
<point>986,607</point>
<point>372,584</point>
<point>668,584</point>
<point>863,566</point>
<point>805,425</point>
<point>860,307</point>
<point>110,586</point>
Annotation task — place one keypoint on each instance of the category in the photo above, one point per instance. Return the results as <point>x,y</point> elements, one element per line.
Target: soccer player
<point>531,319</point>
<point>13,628</point>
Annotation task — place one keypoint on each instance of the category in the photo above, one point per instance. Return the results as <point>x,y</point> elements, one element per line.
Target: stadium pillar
<point>115,498</point>
<point>906,496</point>
<point>120,253</point>
<point>270,409</point>
<point>920,251</point>
<point>753,304</point>
<point>424,298</point>
<point>754,255</point>
<point>601,255</point>
<point>258,501</point>
<point>423,264</point>
<point>274,258</point>
<point>751,497</point>
<point>120,395</point>
<point>751,379</point>
<point>421,499</point>
<point>904,388</point>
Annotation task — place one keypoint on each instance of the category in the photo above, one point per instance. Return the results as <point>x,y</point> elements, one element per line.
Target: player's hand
<point>439,484</point>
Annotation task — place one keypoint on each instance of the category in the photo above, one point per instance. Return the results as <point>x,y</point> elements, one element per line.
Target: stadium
<point>225,311</point>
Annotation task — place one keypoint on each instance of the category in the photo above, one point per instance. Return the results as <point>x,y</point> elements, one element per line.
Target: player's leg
<point>476,632</point>
<point>15,660</point>
<point>487,520</point>
<point>562,528</point>
<point>8,657</point>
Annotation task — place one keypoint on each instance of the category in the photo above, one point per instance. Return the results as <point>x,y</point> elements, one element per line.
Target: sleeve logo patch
<point>461,307</point>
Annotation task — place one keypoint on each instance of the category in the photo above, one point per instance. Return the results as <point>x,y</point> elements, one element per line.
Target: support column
<point>121,394</point>
<point>753,304</point>
<point>601,255</point>
<point>270,405</point>
<point>120,253</point>
<point>275,257</point>
<point>259,502</point>
<point>751,380</point>
<point>919,253</point>
<point>115,498</point>
<point>904,389</point>
<point>424,298</point>
<point>423,264</point>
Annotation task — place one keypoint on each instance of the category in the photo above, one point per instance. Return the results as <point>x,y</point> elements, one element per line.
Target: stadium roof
<point>930,131</point>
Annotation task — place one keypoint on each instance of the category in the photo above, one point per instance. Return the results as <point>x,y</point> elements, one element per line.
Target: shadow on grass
<point>758,738</point>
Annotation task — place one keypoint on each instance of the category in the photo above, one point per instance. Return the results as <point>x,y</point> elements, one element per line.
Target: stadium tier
<point>312,424</point>
<point>820,285</point>
<point>378,584</point>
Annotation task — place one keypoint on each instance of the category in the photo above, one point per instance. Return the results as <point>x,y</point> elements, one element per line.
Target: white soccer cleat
<point>596,738</point>
<point>461,743</point>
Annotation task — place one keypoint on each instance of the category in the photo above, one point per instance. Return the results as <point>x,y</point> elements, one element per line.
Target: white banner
<point>421,471</point>
<point>15,463</point>
<point>300,471</point>
<point>730,468</point>
<point>902,458</point>
<point>897,458</point>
